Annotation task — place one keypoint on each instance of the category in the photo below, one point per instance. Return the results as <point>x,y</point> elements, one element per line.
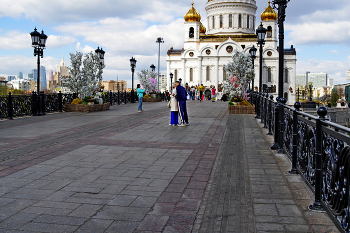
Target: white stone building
<point>231,26</point>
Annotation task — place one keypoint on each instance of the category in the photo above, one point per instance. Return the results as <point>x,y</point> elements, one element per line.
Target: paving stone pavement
<point>123,171</point>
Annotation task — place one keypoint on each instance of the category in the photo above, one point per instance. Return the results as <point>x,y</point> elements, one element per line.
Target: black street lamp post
<point>252,52</point>
<point>261,32</point>
<point>159,41</point>
<point>38,43</point>
<point>133,66</point>
<point>281,6</point>
<point>171,81</point>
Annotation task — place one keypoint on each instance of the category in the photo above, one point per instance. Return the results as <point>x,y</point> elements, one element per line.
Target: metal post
<point>260,66</point>
<point>132,86</point>
<point>262,108</point>
<point>258,105</point>
<point>297,107</point>
<point>9,107</point>
<point>281,123</point>
<point>34,104</point>
<point>254,76</point>
<point>125,99</point>
<point>42,103</point>
<point>111,98</point>
<point>118,97</point>
<point>317,206</point>
<point>276,145</point>
<point>60,102</point>
<point>39,107</point>
<point>266,110</point>
<point>270,115</point>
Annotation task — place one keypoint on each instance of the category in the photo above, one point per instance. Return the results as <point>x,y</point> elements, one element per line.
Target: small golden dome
<point>269,14</point>
<point>192,15</point>
<point>202,29</point>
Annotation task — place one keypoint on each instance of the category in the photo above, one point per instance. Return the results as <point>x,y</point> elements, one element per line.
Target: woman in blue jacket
<point>140,92</point>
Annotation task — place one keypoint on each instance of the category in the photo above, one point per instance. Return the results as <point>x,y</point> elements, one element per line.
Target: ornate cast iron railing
<point>319,151</point>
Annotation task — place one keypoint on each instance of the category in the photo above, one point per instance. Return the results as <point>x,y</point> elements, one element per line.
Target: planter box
<point>241,109</point>
<point>86,108</point>
<point>155,99</point>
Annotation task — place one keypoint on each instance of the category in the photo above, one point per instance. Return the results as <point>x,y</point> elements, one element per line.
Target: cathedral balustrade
<point>318,149</point>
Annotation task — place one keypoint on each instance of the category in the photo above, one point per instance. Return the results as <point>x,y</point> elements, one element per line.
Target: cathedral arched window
<point>248,21</point>
<point>175,74</point>
<point>208,74</point>
<point>239,21</point>
<point>253,22</point>
<point>269,75</point>
<point>269,32</point>
<point>213,26</point>
<point>220,21</point>
<point>224,74</point>
<point>191,74</point>
<point>230,21</point>
<point>286,75</point>
<point>191,34</point>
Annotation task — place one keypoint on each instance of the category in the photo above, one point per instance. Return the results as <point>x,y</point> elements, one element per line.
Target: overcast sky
<point>318,29</point>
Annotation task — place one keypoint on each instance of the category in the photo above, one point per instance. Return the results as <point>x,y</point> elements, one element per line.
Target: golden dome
<point>269,14</point>
<point>202,29</point>
<point>192,15</point>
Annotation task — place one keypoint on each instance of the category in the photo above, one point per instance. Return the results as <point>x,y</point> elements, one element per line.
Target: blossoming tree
<point>148,80</point>
<point>85,75</point>
<point>239,73</point>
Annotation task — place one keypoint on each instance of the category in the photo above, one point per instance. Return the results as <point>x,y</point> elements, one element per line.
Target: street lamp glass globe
<point>102,54</point>
<point>153,67</point>
<point>43,39</point>
<point>252,51</point>
<point>261,32</point>
<point>35,37</point>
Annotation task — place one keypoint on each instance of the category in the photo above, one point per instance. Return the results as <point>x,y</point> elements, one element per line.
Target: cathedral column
<point>183,72</point>
<point>217,73</point>
<point>200,70</point>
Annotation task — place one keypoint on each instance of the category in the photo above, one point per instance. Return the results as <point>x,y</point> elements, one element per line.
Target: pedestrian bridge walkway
<point>123,171</point>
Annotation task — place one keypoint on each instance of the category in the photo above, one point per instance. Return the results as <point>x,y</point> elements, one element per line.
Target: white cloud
<point>335,69</point>
<point>319,33</point>
<point>54,41</point>
<point>15,40</point>
<point>334,51</point>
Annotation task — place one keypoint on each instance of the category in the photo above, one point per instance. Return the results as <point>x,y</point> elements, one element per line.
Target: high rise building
<point>43,84</point>
<point>20,75</point>
<point>35,74</point>
<point>317,79</point>
<point>162,82</point>
<point>10,78</point>
<point>31,76</point>
<point>347,75</point>
<point>62,70</point>
<point>51,76</point>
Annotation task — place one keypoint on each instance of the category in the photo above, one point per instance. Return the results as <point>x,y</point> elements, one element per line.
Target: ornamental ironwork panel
<point>306,152</point>
<point>51,103</point>
<point>3,106</point>
<point>288,133</point>
<point>22,105</point>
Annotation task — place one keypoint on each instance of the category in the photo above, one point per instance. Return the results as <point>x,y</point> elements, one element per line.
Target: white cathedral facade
<point>231,26</point>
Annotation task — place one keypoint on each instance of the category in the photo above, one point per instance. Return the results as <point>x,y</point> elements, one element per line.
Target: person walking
<point>201,89</point>
<point>174,109</point>
<point>140,92</point>
<point>181,98</point>
<point>213,92</point>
